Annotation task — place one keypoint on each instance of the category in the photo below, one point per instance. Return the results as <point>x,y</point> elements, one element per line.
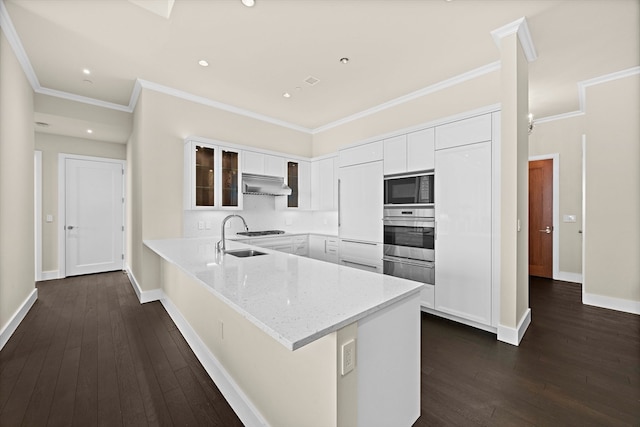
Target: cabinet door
<point>274,165</point>
<point>230,178</point>
<point>463,132</point>
<point>204,165</point>
<point>317,246</point>
<point>252,162</point>
<point>360,203</point>
<point>463,232</point>
<point>304,185</point>
<point>395,155</point>
<point>364,153</point>
<point>324,184</point>
<point>421,150</point>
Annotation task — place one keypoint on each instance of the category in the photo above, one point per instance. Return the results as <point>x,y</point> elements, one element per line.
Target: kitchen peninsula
<point>293,341</point>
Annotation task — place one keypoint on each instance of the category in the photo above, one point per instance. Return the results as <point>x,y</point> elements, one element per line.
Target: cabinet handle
<point>325,246</point>
<point>360,243</point>
<point>339,204</point>
<point>360,264</point>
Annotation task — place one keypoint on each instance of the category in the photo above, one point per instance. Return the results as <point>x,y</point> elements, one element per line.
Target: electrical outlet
<point>348,356</point>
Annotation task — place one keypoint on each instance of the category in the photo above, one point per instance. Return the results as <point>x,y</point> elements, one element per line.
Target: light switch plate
<point>568,218</point>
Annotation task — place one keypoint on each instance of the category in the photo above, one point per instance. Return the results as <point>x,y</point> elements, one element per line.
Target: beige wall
<point>470,95</point>
<point>161,123</point>
<point>514,250</point>
<point>17,259</point>
<point>564,137</point>
<point>612,219</point>
<point>51,146</point>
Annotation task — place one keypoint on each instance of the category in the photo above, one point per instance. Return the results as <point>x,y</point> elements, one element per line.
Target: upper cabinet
<point>212,176</point>
<point>464,132</point>
<point>364,153</point>
<point>324,184</point>
<point>263,164</point>
<point>298,178</point>
<point>409,153</point>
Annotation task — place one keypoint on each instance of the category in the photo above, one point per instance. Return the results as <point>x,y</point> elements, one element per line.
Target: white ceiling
<point>255,54</point>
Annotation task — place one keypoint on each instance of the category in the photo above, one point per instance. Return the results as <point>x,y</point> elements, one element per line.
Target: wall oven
<point>409,243</point>
<point>415,189</point>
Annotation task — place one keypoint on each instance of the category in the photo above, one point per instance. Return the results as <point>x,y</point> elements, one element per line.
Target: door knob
<point>546,230</point>
<point>70,227</point>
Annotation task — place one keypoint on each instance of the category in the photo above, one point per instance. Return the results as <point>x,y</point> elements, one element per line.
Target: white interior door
<point>93,216</point>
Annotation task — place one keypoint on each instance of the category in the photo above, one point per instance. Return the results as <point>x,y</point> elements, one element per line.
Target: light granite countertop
<point>294,299</point>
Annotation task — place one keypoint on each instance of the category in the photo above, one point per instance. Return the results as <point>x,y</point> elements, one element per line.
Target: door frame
<point>37,214</point>
<point>556,209</point>
<point>62,188</point>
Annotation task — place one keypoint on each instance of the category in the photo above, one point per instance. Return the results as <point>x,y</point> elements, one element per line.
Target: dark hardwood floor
<point>89,354</point>
<point>576,366</point>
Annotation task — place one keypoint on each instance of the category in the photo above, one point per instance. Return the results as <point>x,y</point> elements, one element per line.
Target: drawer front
<point>363,255</point>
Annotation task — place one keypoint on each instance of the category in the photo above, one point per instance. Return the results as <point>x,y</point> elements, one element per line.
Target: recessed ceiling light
<point>344,60</point>
<point>203,63</point>
<point>86,71</point>
<point>286,95</point>
<point>89,131</point>
<point>248,3</point>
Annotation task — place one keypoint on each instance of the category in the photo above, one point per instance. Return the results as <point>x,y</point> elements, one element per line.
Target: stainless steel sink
<point>244,253</point>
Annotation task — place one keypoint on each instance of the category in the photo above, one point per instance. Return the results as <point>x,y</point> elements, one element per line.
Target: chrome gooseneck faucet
<point>221,246</point>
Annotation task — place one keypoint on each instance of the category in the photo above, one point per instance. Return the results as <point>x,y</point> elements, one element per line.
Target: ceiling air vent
<point>311,81</point>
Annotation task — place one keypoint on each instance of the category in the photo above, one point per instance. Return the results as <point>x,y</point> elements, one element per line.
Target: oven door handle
<point>415,263</point>
<point>409,222</point>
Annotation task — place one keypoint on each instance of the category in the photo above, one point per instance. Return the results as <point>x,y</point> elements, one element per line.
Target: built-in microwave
<point>414,189</point>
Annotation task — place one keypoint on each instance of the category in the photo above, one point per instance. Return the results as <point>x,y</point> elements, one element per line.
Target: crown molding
<point>486,69</point>
<point>83,99</point>
<point>520,27</point>
<point>582,93</point>
<point>219,105</point>
<point>12,36</point>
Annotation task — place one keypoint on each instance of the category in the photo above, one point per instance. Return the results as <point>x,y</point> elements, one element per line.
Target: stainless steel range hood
<point>264,184</point>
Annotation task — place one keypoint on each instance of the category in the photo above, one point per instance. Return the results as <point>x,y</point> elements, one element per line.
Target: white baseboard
<point>18,316</point>
<point>238,401</point>
<point>619,304</point>
<point>143,296</point>
<point>566,276</point>
<point>50,275</point>
<point>513,336</point>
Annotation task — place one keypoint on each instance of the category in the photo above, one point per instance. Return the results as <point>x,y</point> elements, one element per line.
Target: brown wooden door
<point>541,218</point>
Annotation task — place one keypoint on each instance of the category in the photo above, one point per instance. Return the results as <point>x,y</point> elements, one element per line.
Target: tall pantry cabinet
<point>464,221</point>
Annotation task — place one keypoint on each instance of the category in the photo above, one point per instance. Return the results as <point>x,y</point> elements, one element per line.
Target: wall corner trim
<point>611,303</point>
<point>143,296</point>
<point>520,27</point>
<point>17,318</point>
<point>513,336</point>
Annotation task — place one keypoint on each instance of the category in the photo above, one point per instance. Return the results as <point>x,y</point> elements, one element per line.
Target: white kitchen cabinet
<point>324,248</point>
<point>361,202</point>
<point>324,184</point>
<point>395,155</point>
<point>263,164</point>
<point>281,244</point>
<point>364,153</point>
<point>463,250</point>
<point>409,153</point>
<point>211,177</point>
<point>300,245</point>
<point>421,150</point>
<point>464,132</point>
<point>362,255</point>
<point>298,178</point>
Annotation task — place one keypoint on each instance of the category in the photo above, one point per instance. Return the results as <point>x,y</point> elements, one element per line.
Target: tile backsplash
<point>261,213</point>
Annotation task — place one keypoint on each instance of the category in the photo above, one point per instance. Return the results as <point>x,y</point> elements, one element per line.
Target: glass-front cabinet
<point>298,177</point>
<point>213,176</point>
